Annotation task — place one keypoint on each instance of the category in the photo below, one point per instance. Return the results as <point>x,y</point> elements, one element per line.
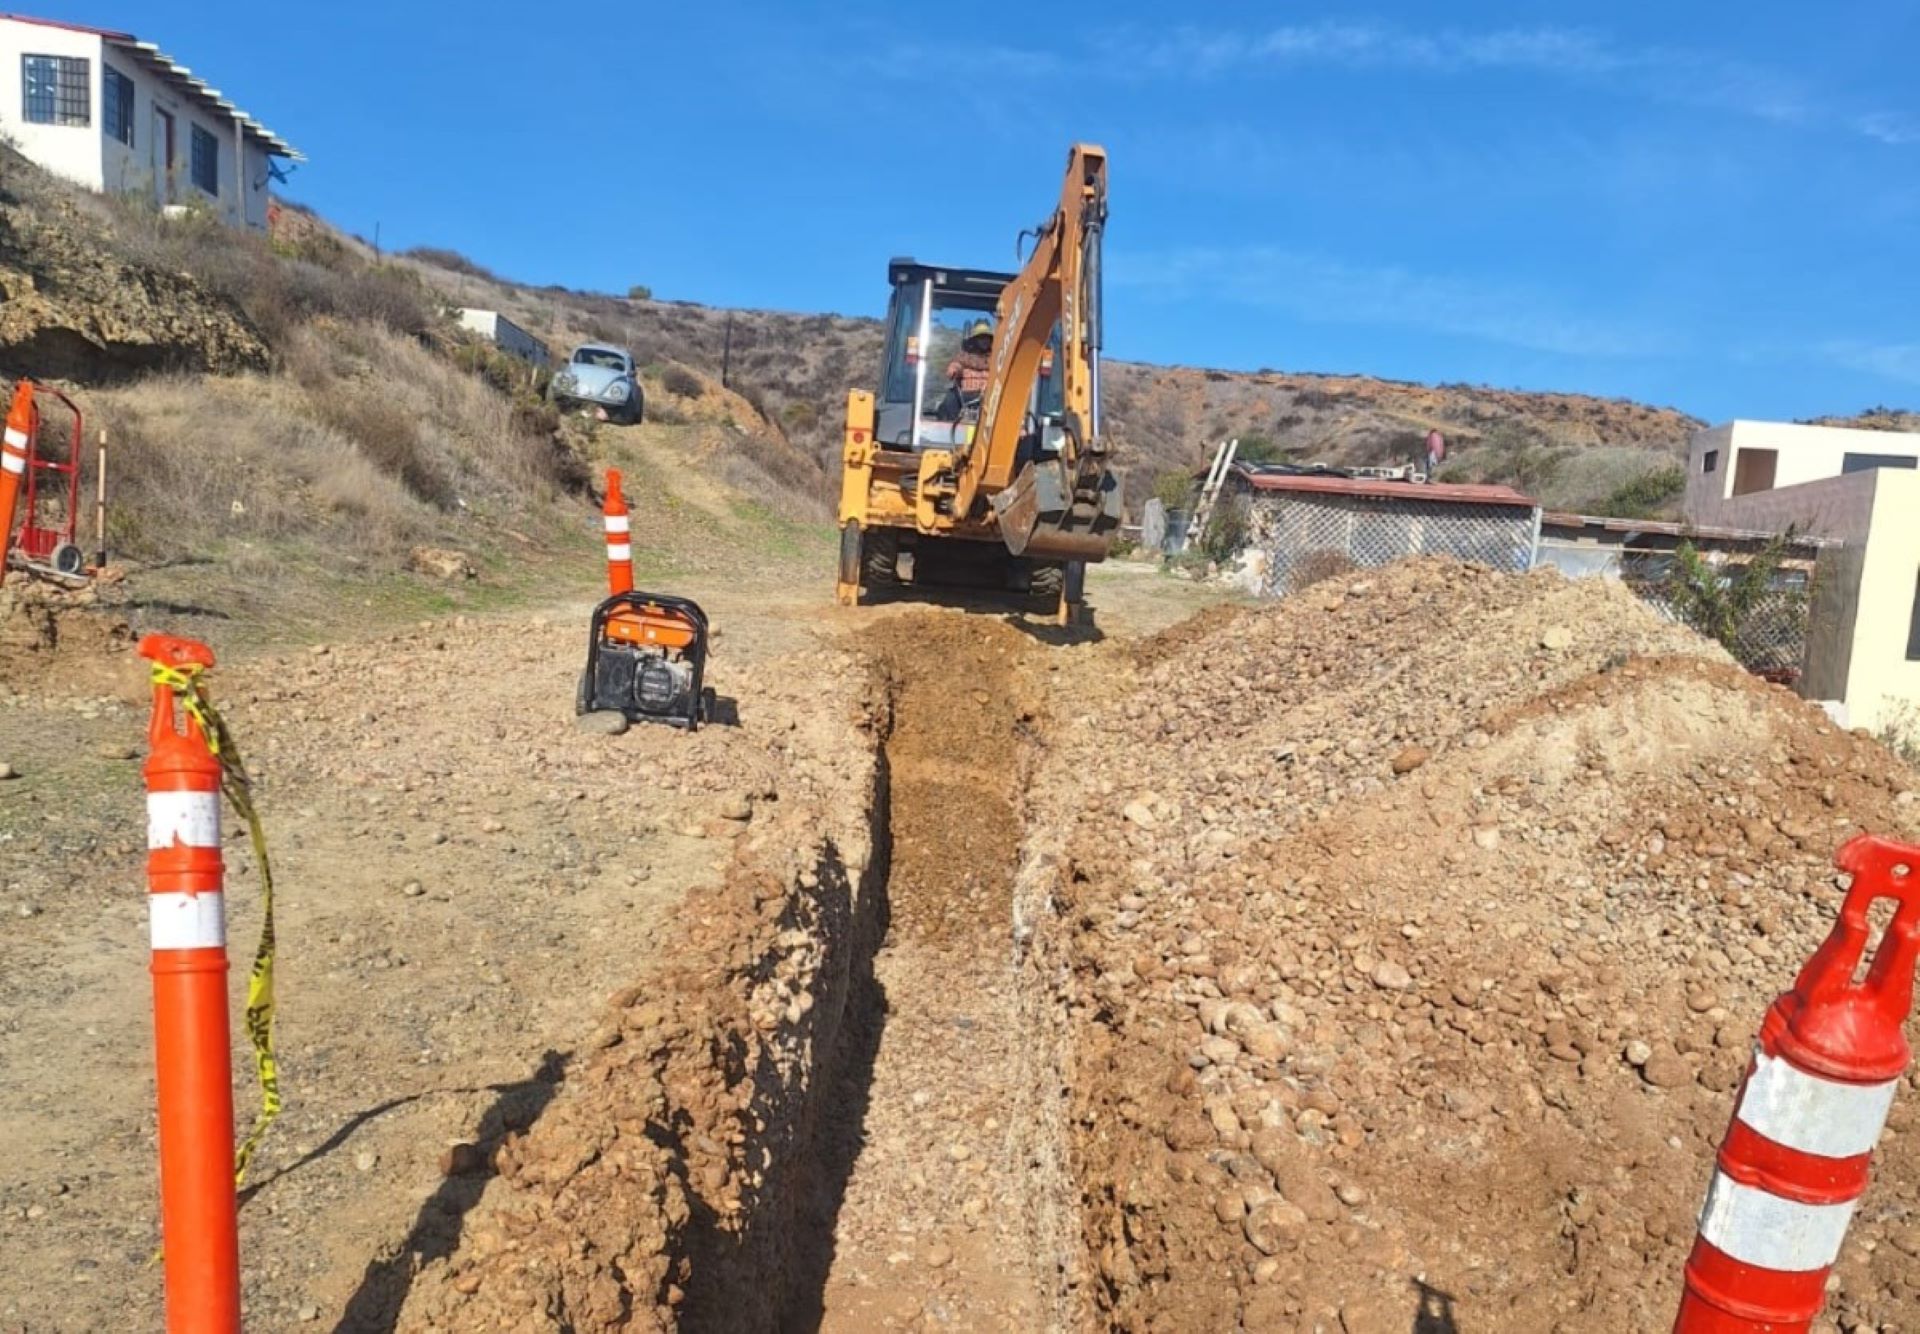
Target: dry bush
<point>197,463</point>
<point>769,482</point>
<point>278,292</point>
<point>390,438</point>
<point>365,441</point>
<point>677,379</point>
<point>452,261</point>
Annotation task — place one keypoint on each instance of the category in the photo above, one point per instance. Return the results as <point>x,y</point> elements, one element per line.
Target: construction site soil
<point>1383,959</point>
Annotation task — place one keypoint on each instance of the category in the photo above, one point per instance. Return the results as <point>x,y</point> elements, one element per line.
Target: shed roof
<point>172,70</point>
<point>1443,493</point>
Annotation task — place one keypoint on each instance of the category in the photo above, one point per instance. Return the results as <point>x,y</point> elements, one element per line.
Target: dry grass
<point>367,441</point>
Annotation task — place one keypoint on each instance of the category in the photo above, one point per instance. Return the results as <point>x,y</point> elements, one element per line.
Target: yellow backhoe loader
<point>987,469</point>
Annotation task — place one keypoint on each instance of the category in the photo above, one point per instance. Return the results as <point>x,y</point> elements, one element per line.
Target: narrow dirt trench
<point>928,1229</point>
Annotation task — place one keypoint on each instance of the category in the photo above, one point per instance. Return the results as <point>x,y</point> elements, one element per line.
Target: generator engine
<point>646,659</point>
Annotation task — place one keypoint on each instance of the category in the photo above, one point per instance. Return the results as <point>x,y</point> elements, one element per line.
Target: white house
<point>1862,489</point>
<point>111,112</point>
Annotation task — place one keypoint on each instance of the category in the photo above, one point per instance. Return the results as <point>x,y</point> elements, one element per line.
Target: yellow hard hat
<point>979,329</point>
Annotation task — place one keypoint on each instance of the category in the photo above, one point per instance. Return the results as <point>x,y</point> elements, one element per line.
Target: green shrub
<point>639,292</point>
<point>1174,489</point>
<point>1645,496</point>
<point>1228,527</point>
<point>1257,449</point>
<point>1721,603</point>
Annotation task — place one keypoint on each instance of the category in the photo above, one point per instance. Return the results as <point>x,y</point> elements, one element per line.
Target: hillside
<point>1575,450</point>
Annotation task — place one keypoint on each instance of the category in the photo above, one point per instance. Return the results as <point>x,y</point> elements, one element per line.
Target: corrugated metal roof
<point>173,69</point>
<point>1444,493</point>
<point>199,87</point>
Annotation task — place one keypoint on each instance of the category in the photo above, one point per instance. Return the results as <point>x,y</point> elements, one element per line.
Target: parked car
<point>600,378</point>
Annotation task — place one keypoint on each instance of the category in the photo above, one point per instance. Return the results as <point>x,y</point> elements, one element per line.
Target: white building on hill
<point>1861,489</point>
<point>111,112</point>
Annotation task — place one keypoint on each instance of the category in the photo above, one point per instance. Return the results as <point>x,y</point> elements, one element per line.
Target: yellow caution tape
<point>238,785</point>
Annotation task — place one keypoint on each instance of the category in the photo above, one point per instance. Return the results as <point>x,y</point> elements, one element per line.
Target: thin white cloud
<point>1891,361</point>
<point>1656,74</point>
<point>1890,127</point>
<point>1318,288</point>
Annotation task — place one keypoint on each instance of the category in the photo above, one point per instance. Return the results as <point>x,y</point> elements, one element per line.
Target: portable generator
<point>647,660</point>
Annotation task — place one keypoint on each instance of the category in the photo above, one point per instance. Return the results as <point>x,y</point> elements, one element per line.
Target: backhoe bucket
<point>1042,515</point>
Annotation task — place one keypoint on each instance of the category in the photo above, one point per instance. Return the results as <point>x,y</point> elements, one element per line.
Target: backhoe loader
<point>994,481</point>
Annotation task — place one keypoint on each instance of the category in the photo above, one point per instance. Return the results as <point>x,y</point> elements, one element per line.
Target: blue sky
<point>1713,206</point>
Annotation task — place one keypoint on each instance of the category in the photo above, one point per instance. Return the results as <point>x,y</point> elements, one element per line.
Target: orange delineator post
<point>619,526</point>
<point>199,1222</point>
<point>1832,1053</point>
<point>14,447</point>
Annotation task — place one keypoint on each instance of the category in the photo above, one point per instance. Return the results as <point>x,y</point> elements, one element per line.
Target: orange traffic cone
<point>1831,1055</point>
<point>22,421</point>
<point>199,1224</point>
<point>619,526</point>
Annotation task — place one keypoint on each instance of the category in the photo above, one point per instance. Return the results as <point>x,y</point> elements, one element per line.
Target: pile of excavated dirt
<point>1411,935</point>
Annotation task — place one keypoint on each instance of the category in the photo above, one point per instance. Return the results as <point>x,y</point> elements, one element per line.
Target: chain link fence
<point>1304,537</point>
<point>1770,639</point>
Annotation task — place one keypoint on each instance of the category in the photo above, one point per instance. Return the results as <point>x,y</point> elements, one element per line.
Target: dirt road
<point>465,879</point>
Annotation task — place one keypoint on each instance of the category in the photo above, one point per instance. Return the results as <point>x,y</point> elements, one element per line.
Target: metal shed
<point>1302,525</point>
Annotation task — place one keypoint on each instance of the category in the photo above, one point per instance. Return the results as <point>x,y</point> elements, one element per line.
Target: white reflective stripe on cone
<point>1811,1114</point>
<point>12,462</point>
<point>619,523</point>
<point>190,818</point>
<point>1769,1232</point>
<point>187,921</point>
<point>16,437</point>
<point>619,551</point>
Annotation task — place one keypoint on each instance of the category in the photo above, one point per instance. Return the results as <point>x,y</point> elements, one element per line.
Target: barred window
<point>206,161</point>
<point>116,104</point>
<point>56,90</point>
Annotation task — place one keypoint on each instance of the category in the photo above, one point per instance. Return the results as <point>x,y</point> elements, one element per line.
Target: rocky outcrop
<point>71,309</point>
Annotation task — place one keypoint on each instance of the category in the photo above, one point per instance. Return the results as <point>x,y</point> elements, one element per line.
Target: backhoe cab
<point>963,474</point>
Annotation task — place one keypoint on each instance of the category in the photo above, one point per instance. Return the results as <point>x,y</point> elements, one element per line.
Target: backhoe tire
<point>880,558</point>
<point>1045,584</point>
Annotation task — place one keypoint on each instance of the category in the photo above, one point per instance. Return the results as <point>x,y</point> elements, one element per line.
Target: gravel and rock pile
<point>1416,931</point>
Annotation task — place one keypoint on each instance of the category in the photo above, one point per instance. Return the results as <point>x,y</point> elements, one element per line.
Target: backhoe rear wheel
<point>880,558</point>
<point>1045,584</point>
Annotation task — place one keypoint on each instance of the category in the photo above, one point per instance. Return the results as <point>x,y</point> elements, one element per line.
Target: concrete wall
<point>1837,507</point>
<point>1802,454</point>
<point>72,151</point>
<point>1883,687</point>
<point>506,335</point>
<point>1832,620</point>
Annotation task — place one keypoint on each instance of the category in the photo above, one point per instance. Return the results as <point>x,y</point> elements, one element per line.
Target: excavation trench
<point>818,1113</point>
<point>921,1133</point>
